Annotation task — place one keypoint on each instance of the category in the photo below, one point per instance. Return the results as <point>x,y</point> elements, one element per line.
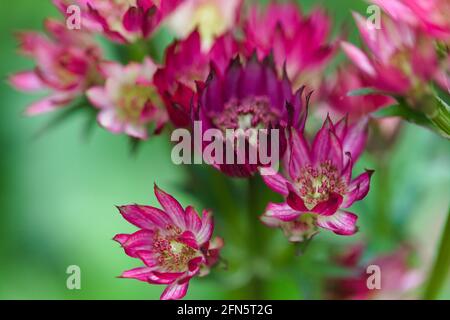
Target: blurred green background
<point>58,191</point>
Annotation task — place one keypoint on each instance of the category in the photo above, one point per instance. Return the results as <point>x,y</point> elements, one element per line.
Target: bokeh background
<point>58,190</point>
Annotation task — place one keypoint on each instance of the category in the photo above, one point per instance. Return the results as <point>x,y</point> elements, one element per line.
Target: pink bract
<point>174,244</point>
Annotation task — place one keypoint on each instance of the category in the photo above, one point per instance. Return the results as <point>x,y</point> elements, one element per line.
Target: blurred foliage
<point>58,191</point>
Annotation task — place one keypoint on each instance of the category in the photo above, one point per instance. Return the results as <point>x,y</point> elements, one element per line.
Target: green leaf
<point>363,92</point>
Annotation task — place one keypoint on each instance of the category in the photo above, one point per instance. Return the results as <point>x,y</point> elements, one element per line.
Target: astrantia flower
<point>336,91</point>
<point>429,15</point>
<point>129,102</point>
<point>211,18</point>
<point>397,275</point>
<point>319,182</point>
<point>402,61</point>
<point>66,65</point>
<point>122,20</point>
<point>174,244</point>
<point>185,64</point>
<point>249,97</point>
<point>300,42</point>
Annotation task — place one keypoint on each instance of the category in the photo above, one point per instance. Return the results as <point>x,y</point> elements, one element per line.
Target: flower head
<point>402,60</point>
<point>129,102</point>
<point>319,182</point>
<point>122,20</point>
<point>247,98</point>
<point>298,42</point>
<point>66,65</point>
<point>212,18</point>
<point>185,64</point>
<point>431,16</point>
<point>174,244</point>
<point>398,276</point>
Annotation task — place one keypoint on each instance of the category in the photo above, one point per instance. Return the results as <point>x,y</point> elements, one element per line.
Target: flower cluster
<point>233,66</point>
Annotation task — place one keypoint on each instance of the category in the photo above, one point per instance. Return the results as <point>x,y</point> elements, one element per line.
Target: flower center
<point>172,255</point>
<point>251,113</point>
<point>316,184</point>
<point>132,101</point>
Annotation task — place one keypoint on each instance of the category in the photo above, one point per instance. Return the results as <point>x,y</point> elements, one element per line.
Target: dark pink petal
<point>26,81</point>
<point>356,138</point>
<point>335,152</point>
<point>358,189</point>
<point>121,238</point>
<point>342,223</point>
<point>195,263</point>
<point>149,258</point>
<point>300,155</point>
<point>132,20</point>
<point>175,291</point>
<point>205,233</point>
<point>359,58</point>
<point>329,207</point>
<point>172,207</point>
<point>141,240</point>
<point>188,238</point>
<point>321,144</point>
<point>193,222</point>
<point>145,217</point>
<point>144,274</point>
<point>295,202</point>
<point>277,183</point>
<point>282,212</point>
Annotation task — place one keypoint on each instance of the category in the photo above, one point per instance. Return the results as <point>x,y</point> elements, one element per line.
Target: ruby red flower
<point>319,182</point>
<point>174,244</point>
<point>66,65</point>
<point>298,42</point>
<point>185,64</point>
<point>249,97</point>
<point>129,102</point>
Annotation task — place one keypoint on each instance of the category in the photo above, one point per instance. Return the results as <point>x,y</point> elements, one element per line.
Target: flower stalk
<point>441,266</point>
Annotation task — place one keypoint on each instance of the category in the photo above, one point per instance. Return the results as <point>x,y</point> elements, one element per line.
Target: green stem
<point>255,238</point>
<point>441,267</point>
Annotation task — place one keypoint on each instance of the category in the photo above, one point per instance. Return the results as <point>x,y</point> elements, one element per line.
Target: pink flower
<point>129,101</point>
<point>298,41</point>
<point>397,275</point>
<point>66,65</point>
<point>249,97</point>
<point>185,64</point>
<point>336,89</point>
<point>174,244</point>
<point>319,182</point>
<point>212,18</point>
<point>402,61</point>
<point>122,21</point>
<point>429,15</point>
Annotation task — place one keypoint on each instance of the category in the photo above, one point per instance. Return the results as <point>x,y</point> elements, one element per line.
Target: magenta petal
<point>321,144</point>
<point>329,207</point>
<point>141,240</point>
<point>188,238</point>
<point>145,217</point>
<point>207,228</point>
<point>359,58</point>
<point>148,257</point>
<point>194,264</point>
<point>172,207</point>
<point>121,238</point>
<point>295,202</point>
<point>281,211</point>
<point>277,183</point>
<point>193,222</point>
<point>358,189</point>
<point>141,274</point>
<point>175,291</point>
<point>356,138</point>
<point>300,155</point>
<point>342,223</point>
<point>132,20</point>
<point>26,81</point>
